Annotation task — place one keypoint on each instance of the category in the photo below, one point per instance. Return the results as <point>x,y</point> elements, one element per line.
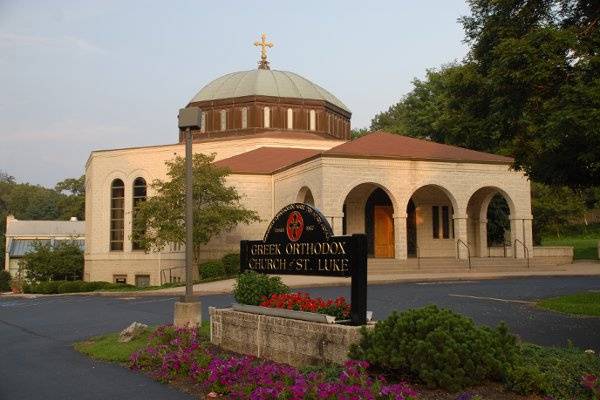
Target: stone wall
<point>290,341</point>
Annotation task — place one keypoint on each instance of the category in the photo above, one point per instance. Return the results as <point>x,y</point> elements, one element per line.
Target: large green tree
<point>529,88</point>
<point>160,220</point>
<point>34,202</point>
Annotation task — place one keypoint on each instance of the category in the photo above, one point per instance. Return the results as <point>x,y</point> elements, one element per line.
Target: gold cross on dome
<point>263,64</point>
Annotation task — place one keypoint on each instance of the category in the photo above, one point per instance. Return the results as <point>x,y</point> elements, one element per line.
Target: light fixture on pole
<point>188,311</point>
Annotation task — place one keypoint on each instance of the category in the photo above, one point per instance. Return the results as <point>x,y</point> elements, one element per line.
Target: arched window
<point>290,118</point>
<point>137,228</point>
<point>203,122</point>
<point>223,120</point>
<point>244,117</point>
<point>117,214</point>
<point>313,120</point>
<point>267,117</point>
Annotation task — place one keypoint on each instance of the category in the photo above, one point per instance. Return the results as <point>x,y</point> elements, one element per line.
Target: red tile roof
<point>267,160</point>
<point>388,145</point>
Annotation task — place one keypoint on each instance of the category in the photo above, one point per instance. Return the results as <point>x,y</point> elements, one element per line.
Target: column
<point>482,232</point>
<point>528,234</point>
<point>516,237</point>
<point>400,244</point>
<point>337,224</point>
<point>460,234</point>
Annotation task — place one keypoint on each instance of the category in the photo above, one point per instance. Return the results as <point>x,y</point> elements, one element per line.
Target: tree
<point>356,133</point>
<point>553,207</point>
<point>74,186</point>
<point>529,88</point>
<point>217,209</point>
<point>63,261</point>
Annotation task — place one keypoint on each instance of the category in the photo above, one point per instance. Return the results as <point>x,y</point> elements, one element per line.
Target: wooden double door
<point>383,218</point>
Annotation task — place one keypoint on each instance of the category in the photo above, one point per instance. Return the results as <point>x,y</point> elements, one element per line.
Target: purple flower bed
<point>180,354</point>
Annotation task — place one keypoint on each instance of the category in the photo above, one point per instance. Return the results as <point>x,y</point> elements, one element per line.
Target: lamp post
<point>188,311</point>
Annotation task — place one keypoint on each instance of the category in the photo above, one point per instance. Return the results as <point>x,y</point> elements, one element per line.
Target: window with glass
<point>137,228</point>
<point>117,215</point>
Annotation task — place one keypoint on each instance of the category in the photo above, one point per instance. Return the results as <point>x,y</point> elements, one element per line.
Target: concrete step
<point>452,265</point>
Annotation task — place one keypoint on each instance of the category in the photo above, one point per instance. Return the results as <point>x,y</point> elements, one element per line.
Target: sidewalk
<point>578,268</point>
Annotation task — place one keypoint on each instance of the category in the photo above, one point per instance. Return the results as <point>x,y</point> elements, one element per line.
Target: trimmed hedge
<point>59,287</point>
<point>211,269</point>
<point>231,262</point>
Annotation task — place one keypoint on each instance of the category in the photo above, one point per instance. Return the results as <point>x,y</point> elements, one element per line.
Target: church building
<point>286,139</point>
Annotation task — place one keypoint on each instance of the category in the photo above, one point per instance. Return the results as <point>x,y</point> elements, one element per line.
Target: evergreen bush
<point>5,279</point>
<point>438,347</point>
<point>71,287</point>
<point>252,288</point>
<point>231,262</point>
<point>211,269</point>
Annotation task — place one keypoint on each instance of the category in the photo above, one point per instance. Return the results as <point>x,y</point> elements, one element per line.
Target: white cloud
<point>8,40</point>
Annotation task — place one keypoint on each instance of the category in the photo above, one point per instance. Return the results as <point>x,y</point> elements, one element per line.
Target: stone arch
<point>305,196</point>
<point>431,209</point>
<point>478,223</point>
<point>349,188</point>
<point>368,208</point>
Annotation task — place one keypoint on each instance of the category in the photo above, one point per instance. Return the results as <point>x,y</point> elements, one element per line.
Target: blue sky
<point>76,76</point>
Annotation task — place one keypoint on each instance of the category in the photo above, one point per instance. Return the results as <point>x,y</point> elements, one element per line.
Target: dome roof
<point>265,82</point>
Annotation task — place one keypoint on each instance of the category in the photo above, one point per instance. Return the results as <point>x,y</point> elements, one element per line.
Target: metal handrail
<point>525,250</point>
<point>459,242</point>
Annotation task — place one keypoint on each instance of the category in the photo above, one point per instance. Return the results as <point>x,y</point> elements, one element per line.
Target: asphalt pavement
<point>37,360</point>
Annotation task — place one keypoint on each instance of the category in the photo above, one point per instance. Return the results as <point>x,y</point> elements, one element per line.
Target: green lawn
<point>586,303</point>
<point>583,238</point>
<point>108,348</point>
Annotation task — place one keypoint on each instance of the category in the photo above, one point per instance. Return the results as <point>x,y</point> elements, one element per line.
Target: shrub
<point>562,369</point>
<point>60,262</point>
<point>252,288</point>
<point>525,379</point>
<point>71,287</point>
<point>46,287</point>
<point>438,347</point>
<point>231,262</point>
<point>5,279</point>
<point>211,269</point>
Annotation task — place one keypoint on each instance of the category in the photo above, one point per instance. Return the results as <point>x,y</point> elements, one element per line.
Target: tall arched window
<point>223,120</point>
<point>203,122</point>
<point>244,117</point>
<point>267,117</point>
<point>290,118</point>
<point>117,215</point>
<point>313,120</point>
<point>137,228</point>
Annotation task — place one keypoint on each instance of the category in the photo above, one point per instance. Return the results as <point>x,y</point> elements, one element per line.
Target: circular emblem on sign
<point>294,226</point>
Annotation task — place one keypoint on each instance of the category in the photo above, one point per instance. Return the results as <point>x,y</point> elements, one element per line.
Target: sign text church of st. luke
<point>286,140</point>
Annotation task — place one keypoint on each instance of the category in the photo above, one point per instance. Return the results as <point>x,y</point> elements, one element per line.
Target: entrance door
<point>384,231</point>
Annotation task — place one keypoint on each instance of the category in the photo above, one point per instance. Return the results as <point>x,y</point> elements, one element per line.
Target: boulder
<point>132,331</point>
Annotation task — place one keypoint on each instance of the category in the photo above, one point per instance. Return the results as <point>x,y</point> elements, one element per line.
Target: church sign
<point>300,241</point>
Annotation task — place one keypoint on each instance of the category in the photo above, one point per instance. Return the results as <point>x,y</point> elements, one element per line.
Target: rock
<point>132,331</point>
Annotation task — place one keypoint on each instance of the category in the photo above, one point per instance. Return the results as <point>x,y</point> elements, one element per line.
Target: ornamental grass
<point>180,354</point>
